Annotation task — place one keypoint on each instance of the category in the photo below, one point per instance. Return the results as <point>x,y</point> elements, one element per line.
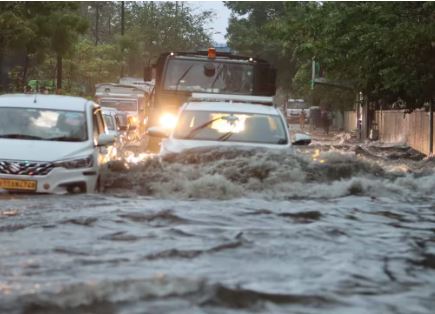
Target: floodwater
<point>330,229</point>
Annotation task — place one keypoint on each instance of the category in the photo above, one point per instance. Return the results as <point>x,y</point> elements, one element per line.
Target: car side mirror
<point>157,132</point>
<point>106,139</point>
<point>301,139</point>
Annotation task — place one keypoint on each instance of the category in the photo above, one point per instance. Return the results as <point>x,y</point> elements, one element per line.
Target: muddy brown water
<point>330,229</point>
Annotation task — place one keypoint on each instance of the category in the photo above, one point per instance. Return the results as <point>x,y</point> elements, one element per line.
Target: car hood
<point>13,149</point>
<point>176,146</point>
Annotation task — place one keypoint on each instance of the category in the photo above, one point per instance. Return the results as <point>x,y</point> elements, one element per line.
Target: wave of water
<point>227,173</point>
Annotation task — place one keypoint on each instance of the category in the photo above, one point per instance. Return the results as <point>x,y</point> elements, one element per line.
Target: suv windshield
<point>231,127</point>
<point>43,124</point>
<point>211,77</point>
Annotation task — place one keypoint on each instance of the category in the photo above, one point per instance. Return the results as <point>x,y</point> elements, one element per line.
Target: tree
<point>384,49</point>
<point>47,40</point>
<point>37,28</point>
<point>63,28</point>
<point>16,29</point>
<point>154,28</point>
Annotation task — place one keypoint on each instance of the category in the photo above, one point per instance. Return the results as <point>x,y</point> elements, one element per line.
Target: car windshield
<point>43,124</point>
<point>211,77</point>
<point>231,127</point>
<point>120,104</point>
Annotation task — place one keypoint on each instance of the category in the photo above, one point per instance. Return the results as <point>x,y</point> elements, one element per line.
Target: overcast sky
<point>220,22</point>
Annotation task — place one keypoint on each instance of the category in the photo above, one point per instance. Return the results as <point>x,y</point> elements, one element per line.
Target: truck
<point>128,97</point>
<point>179,74</point>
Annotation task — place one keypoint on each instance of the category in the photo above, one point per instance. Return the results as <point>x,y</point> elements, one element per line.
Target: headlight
<point>85,162</point>
<point>133,120</point>
<point>168,120</point>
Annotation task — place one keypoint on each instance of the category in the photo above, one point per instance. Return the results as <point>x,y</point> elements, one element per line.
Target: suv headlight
<point>85,162</point>
<point>168,120</point>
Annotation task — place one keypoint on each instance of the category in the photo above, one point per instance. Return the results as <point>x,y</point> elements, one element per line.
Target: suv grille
<point>26,168</point>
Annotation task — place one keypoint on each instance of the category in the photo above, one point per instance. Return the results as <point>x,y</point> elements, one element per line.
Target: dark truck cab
<point>179,74</point>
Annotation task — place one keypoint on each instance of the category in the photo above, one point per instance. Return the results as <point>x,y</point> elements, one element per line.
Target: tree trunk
<point>1,67</point>
<point>25,71</point>
<point>122,17</point>
<point>109,26</point>
<point>97,22</point>
<point>59,74</point>
<point>122,34</point>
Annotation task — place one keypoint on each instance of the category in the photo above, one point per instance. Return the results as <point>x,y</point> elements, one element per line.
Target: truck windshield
<point>211,77</point>
<point>120,104</point>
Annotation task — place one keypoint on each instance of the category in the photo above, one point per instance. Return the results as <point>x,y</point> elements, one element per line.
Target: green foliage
<point>384,49</point>
<point>86,38</point>
<point>275,31</point>
<point>154,28</point>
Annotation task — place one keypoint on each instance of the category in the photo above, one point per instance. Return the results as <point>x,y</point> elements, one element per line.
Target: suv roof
<point>217,106</point>
<point>44,101</point>
<point>109,109</point>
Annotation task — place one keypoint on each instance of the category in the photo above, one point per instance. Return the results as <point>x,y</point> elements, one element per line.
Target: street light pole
<point>313,72</point>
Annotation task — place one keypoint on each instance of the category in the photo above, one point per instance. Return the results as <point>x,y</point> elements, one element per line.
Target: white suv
<point>51,144</point>
<point>223,120</point>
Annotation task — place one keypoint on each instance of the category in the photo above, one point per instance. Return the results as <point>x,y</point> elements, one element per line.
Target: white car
<point>51,144</point>
<point>114,128</point>
<point>226,120</point>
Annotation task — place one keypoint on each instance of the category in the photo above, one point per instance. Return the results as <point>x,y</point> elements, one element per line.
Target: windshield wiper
<point>225,136</point>
<point>200,127</point>
<point>64,139</point>
<point>182,76</point>
<point>21,136</point>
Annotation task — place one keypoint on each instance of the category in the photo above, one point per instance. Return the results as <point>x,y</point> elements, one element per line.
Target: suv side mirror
<point>105,139</point>
<point>301,139</point>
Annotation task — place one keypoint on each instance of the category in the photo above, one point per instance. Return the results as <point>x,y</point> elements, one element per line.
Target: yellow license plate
<point>21,185</point>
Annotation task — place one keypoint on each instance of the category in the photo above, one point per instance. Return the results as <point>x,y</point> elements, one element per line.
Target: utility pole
<point>313,72</point>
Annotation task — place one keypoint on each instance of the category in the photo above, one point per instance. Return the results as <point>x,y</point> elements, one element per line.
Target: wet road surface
<point>332,229</point>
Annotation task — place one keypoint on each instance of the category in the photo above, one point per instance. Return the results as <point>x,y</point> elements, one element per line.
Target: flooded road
<point>331,229</point>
